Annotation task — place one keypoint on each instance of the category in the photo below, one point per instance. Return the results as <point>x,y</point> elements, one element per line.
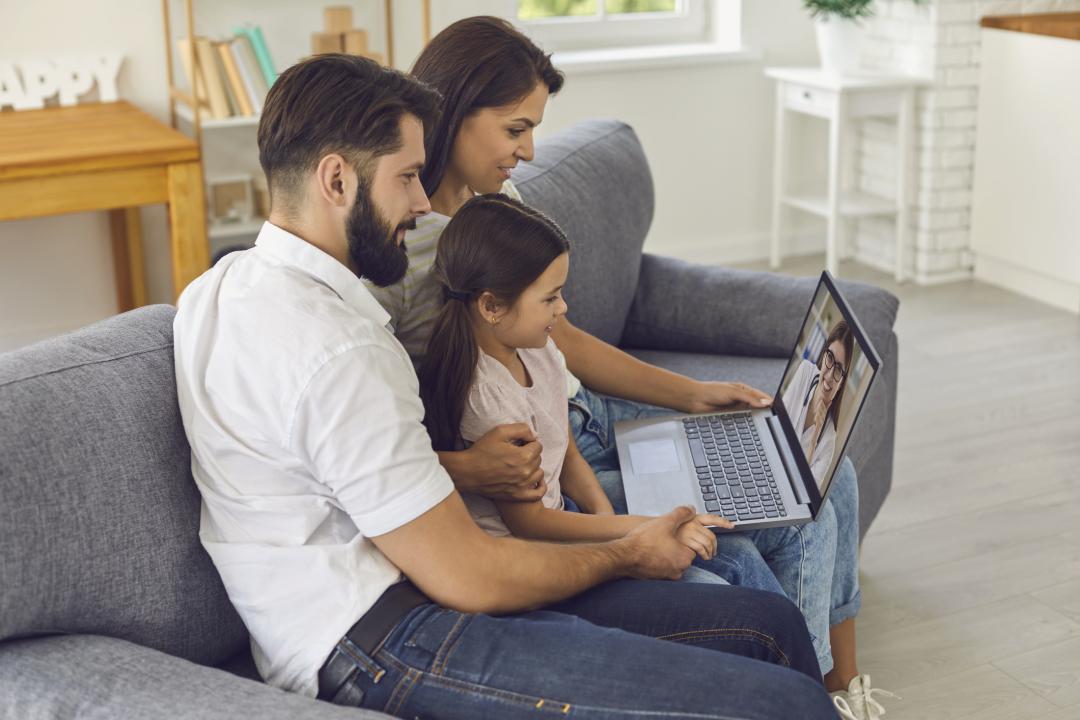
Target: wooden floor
<point>971,573</point>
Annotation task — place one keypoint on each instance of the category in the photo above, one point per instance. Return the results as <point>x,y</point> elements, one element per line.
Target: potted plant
<point>839,31</point>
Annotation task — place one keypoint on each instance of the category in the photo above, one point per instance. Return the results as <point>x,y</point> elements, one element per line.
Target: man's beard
<point>372,249</point>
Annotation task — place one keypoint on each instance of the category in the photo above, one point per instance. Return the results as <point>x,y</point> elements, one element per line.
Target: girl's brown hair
<point>479,62</point>
<point>492,244</point>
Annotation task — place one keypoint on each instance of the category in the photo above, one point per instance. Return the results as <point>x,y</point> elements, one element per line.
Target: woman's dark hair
<point>492,244</point>
<point>335,104</point>
<point>842,333</point>
<point>479,62</point>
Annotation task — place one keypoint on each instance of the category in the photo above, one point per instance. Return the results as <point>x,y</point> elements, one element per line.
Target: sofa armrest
<point>685,307</point>
<point>93,676</point>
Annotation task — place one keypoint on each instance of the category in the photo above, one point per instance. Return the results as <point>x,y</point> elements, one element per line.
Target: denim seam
<point>460,685</point>
<point>748,633</point>
<point>563,708</point>
<point>402,691</point>
<point>442,656</point>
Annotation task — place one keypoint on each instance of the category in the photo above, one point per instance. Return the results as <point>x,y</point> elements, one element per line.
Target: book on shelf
<point>233,75</point>
<point>219,102</point>
<point>262,52</point>
<point>229,76</point>
<point>250,71</point>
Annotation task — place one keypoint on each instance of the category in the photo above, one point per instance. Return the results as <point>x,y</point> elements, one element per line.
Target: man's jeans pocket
<point>365,672</point>
<point>432,638</point>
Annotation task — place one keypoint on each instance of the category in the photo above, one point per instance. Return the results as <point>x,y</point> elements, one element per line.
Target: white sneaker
<point>858,703</point>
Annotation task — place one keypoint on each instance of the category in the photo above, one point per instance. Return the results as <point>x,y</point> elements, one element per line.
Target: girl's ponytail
<point>493,244</point>
<point>447,373</point>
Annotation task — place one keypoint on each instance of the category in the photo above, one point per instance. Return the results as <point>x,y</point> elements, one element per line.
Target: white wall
<point>707,131</point>
<point>942,42</point>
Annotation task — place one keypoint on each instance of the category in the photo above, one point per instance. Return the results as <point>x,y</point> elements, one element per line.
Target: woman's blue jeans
<point>626,649</point>
<point>814,564</point>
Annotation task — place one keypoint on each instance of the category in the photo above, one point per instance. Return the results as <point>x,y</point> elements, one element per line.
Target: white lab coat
<point>797,402</point>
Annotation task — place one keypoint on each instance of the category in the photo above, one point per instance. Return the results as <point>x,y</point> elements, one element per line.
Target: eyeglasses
<point>838,371</point>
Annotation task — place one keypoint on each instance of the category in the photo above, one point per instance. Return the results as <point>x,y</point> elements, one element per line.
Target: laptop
<point>761,467</point>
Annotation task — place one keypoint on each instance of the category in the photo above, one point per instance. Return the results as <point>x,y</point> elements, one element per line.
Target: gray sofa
<point>109,607</point>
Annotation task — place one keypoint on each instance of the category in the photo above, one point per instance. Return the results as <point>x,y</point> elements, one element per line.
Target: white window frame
<point>688,24</point>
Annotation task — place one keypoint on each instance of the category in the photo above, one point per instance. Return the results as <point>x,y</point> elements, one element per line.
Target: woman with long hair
<point>815,394</point>
<point>495,84</point>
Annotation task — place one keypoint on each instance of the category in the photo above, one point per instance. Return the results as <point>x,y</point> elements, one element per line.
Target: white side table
<point>841,100</point>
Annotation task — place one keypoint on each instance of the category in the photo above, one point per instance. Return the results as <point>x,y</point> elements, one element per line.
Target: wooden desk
<point>114,157</point>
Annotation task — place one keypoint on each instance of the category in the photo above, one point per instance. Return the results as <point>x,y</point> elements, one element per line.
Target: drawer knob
<point>806,94</point>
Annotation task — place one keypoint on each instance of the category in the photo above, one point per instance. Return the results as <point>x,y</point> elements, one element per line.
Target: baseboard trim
<point>1035,285</point>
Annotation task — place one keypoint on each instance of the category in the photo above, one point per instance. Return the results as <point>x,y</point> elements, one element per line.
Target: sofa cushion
<point>594,181</point>
<point>88,676</point>
<point>99,516</point>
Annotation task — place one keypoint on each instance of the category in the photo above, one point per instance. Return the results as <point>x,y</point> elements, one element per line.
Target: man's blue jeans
<point>814,564</point>
<point>626,649</point>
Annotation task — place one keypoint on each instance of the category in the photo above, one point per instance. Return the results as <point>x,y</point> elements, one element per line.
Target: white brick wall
<point>938,40</point>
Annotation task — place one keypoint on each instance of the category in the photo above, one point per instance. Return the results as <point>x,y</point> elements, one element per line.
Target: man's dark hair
<point>335,104</point>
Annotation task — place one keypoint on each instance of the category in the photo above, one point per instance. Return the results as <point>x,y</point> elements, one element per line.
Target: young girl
<point>491,361</point>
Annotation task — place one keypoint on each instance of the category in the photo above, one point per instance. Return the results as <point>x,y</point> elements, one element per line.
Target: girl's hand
<point>699,538</point>
<point>711,396</point>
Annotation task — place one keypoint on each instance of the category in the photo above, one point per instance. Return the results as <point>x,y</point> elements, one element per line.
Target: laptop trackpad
<point>654,456</point>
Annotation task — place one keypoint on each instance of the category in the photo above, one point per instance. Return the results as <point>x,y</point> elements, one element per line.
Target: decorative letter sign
<point>68,78</point>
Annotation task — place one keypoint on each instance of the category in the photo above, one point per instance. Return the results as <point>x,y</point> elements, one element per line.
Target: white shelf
<point>208,123</point>
<point>852,204</point>
<point>229,230</point>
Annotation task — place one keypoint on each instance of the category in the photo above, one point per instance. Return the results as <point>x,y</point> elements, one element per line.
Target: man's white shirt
<point>304,419</point>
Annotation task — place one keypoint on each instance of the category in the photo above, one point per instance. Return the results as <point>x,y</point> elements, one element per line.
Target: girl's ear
<point>490,308</point>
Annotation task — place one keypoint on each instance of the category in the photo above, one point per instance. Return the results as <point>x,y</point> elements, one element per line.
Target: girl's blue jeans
<point>814,564</point>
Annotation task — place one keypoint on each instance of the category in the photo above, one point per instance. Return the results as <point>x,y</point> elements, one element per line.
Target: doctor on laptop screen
<point>824,385</point>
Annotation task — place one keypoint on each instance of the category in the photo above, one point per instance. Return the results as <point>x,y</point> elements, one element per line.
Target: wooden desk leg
<point>127,249</point>
<point>187,224</point>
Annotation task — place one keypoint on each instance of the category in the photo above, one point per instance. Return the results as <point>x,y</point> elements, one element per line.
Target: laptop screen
<point>826,381</point>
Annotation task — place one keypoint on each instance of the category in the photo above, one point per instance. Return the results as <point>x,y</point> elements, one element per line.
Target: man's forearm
<point>527,575</point>
<point>607,369</point>
<point>461,567</point>
<point>456,465</point>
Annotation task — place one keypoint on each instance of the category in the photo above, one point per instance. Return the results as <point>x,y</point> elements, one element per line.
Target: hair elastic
<point>455,295</point>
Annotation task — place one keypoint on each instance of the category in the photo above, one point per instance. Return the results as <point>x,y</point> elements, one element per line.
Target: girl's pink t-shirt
<point>496,398</point>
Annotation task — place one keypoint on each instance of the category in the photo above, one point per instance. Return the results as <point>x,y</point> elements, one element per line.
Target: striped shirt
<point>415,302</point>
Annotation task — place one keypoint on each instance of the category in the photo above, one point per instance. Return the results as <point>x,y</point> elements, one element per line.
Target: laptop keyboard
<point>733,471</point>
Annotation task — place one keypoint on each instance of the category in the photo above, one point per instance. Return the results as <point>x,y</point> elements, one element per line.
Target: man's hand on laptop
<point>657,550</point>
<point>504,464</point>
<point>712,396</point>
<point>697,536</point>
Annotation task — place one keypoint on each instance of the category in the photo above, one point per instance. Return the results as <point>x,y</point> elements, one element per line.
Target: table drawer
<point>809,100</point>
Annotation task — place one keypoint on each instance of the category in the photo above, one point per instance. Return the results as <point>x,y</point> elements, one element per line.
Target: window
<point>593,24</point>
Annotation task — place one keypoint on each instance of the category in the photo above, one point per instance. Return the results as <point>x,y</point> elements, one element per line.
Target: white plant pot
<point>840,44</point>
